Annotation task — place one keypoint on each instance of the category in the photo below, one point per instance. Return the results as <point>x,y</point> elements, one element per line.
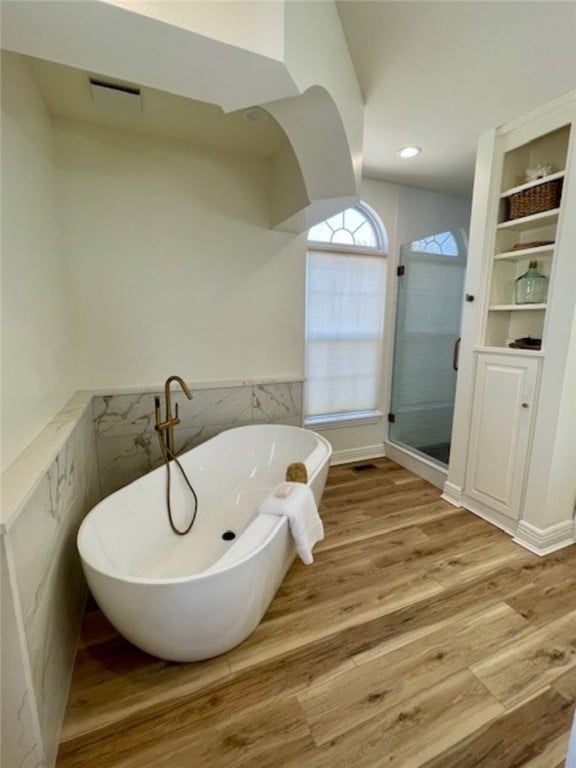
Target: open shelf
<point>504,320</point>
<point>549,149</point>
<point>505,350</point>
<point>526,253</point>
<point>531,222</point>
<point>536,183</point>
<point>516,307</point>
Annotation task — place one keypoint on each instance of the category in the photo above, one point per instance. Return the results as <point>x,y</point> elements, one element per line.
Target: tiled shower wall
<point>127,444</point>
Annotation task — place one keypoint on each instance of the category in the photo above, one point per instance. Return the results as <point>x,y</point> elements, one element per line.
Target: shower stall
<point>429,301</point>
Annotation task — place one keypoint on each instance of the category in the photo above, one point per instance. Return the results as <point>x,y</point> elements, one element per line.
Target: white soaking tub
<point>187,598</point>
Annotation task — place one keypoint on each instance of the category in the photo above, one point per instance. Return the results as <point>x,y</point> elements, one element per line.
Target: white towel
<point>296,502</point>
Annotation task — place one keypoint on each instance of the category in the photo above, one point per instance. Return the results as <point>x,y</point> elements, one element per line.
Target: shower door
<point>428,314</point>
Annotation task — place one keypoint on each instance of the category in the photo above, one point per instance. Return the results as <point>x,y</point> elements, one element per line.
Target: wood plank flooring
<point>420,636</point>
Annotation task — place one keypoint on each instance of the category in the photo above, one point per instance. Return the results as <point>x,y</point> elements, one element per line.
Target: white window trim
<point>313,245</point>
<point>335,421</point>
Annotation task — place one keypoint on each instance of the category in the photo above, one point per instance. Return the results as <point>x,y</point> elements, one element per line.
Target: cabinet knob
<point>525,405</point>
<point>469,297</point>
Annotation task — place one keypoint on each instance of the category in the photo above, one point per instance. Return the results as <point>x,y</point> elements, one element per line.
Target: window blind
<point>344,325</point>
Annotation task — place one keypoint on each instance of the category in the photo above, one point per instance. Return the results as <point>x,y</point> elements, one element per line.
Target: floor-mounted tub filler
<point>187,598</point>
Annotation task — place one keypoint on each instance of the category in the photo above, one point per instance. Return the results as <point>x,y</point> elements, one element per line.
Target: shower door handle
<point>456,353</point>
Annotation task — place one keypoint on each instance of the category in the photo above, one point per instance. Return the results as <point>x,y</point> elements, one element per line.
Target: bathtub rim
<point>144,581</point>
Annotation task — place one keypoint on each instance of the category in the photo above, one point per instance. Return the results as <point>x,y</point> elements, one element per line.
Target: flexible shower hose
<point>167,454</point>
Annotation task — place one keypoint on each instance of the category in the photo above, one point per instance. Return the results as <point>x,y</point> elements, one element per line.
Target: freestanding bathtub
<point>187,598</point>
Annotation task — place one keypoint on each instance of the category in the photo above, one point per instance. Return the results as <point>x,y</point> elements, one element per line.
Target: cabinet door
<point>504,400</point>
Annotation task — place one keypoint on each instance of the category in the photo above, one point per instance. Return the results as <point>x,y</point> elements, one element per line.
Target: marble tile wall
<point>48,579</point>
<point>99,444</point>
<point>20,743</point>
<point>127,444</point>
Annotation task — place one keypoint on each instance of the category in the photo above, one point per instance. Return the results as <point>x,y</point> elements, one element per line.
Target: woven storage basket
<point>543,197</point>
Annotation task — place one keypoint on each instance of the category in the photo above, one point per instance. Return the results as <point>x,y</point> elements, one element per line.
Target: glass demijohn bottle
<point>531,287</point>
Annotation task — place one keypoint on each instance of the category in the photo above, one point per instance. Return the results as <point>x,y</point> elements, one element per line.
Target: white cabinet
<point>503,404</point>
<point>513,458</point>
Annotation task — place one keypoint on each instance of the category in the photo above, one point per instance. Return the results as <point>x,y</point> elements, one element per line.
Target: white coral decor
<point>532,174</point>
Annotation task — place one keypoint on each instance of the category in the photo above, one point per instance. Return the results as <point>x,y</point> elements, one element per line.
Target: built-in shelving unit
<point>512,457</point>
<point>506,321</point>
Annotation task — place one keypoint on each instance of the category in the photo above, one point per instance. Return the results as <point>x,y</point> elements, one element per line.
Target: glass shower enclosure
<point>428,314</point>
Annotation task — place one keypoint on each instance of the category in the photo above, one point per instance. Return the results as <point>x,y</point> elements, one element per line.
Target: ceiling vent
<point>116,97</point>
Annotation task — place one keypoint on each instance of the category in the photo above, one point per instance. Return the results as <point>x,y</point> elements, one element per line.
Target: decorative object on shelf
<point>539,172</point>
<point>531,287</point>
<point>537,199</point>
<point>532,244</point>
<point>527,342</point>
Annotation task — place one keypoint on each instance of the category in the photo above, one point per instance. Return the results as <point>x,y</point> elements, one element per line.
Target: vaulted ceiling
<point>433,73</point>
<point>438,74</point>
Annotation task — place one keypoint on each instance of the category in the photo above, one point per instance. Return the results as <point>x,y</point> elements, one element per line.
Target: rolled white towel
<point>296,502</point>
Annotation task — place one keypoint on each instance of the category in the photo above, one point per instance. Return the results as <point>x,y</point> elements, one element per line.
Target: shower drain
<point>228,535</point>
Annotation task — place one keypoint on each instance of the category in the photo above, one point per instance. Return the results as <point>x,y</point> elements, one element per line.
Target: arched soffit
<point>318,137</point>
<point>316,131</point>
<point>133,45</point>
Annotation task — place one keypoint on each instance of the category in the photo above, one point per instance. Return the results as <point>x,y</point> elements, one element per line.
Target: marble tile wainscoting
<point>96,444</point>
<point>46,493</point>
<point>127,445</point>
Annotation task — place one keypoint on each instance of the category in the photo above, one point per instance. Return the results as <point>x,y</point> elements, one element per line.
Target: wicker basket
<point>543,197</point>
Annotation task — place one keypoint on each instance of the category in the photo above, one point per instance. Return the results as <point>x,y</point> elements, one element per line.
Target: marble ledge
<point>199,385</point>
<point>21,479</point>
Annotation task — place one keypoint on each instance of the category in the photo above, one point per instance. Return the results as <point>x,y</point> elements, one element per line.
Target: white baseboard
<point>506,524</point>
<point>427,470</point>
<point>452,494</point>
<point>357,454</point>
<point>543,541</point>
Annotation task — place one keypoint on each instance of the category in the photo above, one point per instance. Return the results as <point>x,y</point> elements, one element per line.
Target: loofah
<point>297,473</point>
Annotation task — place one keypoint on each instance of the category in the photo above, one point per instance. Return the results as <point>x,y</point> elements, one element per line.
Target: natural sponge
<point>297,473</point>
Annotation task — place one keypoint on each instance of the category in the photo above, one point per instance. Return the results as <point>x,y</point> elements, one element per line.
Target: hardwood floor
<point>421,636</point>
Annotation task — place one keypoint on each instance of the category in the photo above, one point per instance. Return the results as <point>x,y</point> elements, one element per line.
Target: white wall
<point>173,267</point>
<point>423,212</point>
<point>37,376</point>
<point>562,493</point>
<point>257,27</point>
<point>369,438</point>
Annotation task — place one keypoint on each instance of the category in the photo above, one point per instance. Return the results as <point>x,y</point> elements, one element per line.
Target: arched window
<point>443,243</point>
<point>359,226</point>
<point>345,287</point>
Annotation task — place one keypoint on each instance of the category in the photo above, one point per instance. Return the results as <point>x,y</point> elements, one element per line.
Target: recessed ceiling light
<point>407,152</point>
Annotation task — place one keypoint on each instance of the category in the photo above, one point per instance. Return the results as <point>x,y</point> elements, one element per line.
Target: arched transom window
<point>358,227</point>
<point>443,243</point>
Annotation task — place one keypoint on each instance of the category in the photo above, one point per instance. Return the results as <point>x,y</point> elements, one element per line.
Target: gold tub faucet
<point>166,428</point>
